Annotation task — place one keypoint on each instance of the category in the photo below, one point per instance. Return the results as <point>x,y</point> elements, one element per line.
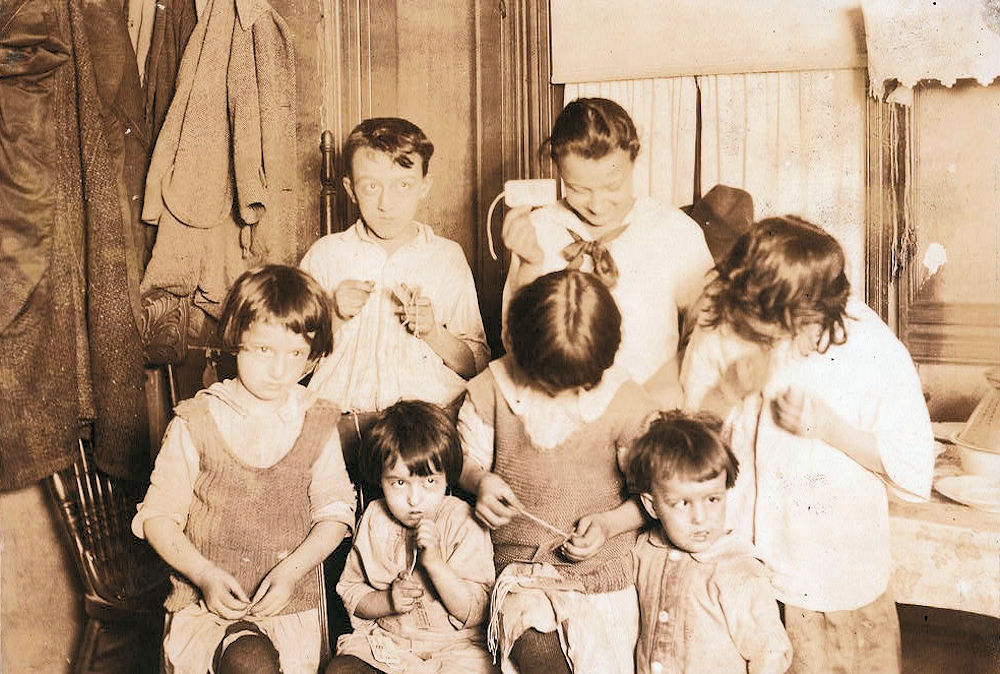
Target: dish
<point>975,491</point>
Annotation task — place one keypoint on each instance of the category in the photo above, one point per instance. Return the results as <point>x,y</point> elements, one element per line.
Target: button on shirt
<point>711,612</point>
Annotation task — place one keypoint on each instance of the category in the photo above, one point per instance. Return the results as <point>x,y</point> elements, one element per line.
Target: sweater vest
<point>578,477</point>
<point>247,519</point>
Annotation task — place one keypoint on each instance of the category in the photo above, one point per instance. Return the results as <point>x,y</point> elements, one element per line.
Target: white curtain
<point>796,143</point>
<point>664,114</point>
<point>794,140</point>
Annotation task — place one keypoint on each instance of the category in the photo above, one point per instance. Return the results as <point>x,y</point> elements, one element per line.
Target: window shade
<point>597,40</point>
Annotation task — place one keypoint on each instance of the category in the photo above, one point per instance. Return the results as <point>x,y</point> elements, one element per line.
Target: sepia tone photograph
<point>313,314</point>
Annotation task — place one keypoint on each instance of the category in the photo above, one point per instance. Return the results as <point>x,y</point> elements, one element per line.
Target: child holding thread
<point>406,315</point>
<point>705,603</point>
<point>249,493</point>
<point>543,431</point>
<point>654,258</point>
<point>417,581</point>
<point>827,409</point>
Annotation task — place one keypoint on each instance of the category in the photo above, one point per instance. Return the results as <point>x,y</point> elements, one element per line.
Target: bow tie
<point>604,265</point>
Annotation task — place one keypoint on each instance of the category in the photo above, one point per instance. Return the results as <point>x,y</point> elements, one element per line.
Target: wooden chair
<point>124,580</point>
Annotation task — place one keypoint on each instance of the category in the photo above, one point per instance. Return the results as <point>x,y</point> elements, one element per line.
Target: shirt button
<point>657,668</point>
<point>663,617</point>
<point>675,555</point>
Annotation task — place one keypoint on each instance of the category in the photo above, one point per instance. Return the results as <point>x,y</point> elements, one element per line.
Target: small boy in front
<point>406,316</point>
<point>705,603</point>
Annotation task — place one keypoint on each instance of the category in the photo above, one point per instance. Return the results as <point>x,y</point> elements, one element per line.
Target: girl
<point>417,582</point>
<point>828,411</point>
<point>601,226</point>
<point>249,493</point>
<point>541,431</point>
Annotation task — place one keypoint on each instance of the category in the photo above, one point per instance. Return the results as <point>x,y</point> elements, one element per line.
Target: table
<point>945,555</point>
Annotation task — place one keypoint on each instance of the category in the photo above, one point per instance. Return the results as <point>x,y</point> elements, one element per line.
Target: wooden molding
<point>515,107</point>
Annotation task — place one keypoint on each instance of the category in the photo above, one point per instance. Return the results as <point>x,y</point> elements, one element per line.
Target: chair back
<point>118,570</point>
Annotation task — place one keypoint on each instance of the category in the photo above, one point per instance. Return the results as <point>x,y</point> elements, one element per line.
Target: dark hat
<point>724,213</point>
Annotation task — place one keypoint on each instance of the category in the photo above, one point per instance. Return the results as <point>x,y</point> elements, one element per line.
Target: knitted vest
<point>246,519</point>
<point>578,477</point>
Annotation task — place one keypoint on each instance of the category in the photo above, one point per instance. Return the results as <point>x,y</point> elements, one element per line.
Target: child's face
<point>693,514</point>
<point>599,190</point>
<point>412,497</point>
<point>386,193</point>
<point>271,360</point>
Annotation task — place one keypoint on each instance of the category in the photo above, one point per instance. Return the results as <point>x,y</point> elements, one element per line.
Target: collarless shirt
<point>375,361</point>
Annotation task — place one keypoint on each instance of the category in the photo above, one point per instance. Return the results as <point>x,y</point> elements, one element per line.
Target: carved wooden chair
<point>124,580</point>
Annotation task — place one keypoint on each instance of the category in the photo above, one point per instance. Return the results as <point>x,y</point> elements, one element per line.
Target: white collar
<point>548,419</point>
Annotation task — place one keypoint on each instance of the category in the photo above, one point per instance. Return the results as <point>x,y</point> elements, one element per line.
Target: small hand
<point>350,297</point>
<point>496,504</point>
<point>801,414</point>
<point>222,593</point>
<point>429,543</point>
<point>404,593</point>
<point>519,236</point>
<point>588,538</point>
<point>273,593</point>
<point>417,315</point>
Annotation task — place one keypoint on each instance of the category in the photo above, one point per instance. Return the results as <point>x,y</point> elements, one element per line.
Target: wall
<point>435,90</point>
<point>957,192</point>
<point>40,600</point>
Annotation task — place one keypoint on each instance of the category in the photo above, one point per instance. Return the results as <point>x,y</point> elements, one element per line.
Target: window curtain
<point>794,140</point>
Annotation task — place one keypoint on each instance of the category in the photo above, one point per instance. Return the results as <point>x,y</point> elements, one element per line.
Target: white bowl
<point>978,461</point>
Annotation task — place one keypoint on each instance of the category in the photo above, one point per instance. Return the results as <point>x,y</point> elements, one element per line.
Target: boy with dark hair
<point>705,604</point>
<point>406,321</point>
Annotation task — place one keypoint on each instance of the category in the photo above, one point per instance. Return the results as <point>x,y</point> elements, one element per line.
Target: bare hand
<point>417,315</point>
<point>222,593</point>
<point>588,538</point>
<point>519,236</point>
<point>273,594</point>
<point>801,414</point>
<point>429,543</point>
<point>350,297</point>
<point>404,593</point>
<point>496,504</point>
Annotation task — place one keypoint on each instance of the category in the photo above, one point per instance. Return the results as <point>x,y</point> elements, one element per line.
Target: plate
<point>975,491</point>
<point>945,430</point>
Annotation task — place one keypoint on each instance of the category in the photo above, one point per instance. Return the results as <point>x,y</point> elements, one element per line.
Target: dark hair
<point>592,128</point>
<point>397,137</point>
<point>420,434</point>
<point>279,294</point>
<point>564,329</point>
<point>785,272</point>
<point>679,445</point>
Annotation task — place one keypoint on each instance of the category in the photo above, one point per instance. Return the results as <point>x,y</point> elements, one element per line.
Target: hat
<point>723,213</point>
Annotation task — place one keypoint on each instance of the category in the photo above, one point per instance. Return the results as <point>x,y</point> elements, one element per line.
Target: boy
<point>705,604</point>
<point>407,321</point>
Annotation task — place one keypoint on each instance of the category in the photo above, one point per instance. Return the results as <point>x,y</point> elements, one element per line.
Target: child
<point>541,428</point>
<point>828,410</point>
<point>249,493</point>
<point>652,257</point>
<point>417,582</point>
<point>406,316</point>
<point>705,604</point>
